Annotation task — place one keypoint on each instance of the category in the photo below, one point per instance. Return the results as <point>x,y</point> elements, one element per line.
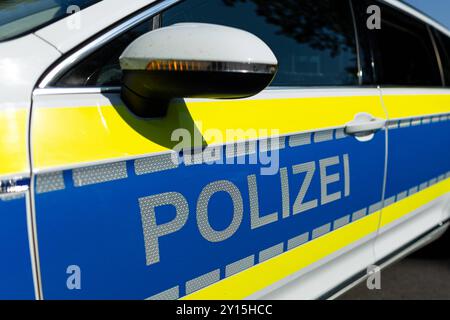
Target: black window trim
<point>438,55</point>
<point>441,38</point>
<point>357,44</point>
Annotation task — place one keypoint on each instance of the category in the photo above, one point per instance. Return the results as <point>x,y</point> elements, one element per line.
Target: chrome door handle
<point>365,124</point>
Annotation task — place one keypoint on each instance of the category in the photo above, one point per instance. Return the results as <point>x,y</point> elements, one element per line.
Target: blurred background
<point>437,9</point>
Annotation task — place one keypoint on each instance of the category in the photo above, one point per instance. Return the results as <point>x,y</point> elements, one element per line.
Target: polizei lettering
<point>330,175</point>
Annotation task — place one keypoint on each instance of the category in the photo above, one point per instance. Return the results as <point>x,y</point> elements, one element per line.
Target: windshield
<point>18,17</point>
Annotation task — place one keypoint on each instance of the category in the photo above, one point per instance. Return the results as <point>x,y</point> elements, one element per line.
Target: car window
<point>314,41</point>
<point>404,51</point>
<point>443,43</point>
<point>18,17</point>
<point>102,67</point>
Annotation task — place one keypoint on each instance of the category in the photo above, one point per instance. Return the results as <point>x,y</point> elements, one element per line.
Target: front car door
<point>18,71</point>
<point>286,196</point>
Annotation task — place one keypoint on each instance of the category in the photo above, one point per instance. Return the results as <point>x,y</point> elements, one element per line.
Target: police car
<point>217,149</point>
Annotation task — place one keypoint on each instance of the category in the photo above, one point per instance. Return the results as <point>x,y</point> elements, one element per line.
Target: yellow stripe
<point>405,106</point>
<point>267,273</point>
<point>257,278</point>
<point>13,141</point>
<point>402,208</point>
<point>72,135</point>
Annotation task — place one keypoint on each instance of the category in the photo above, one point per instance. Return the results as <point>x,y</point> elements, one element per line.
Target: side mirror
<point>193,60</point>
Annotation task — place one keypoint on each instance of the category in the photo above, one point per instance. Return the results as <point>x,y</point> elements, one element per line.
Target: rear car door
<point>118,218</point>
<point>410,72</point>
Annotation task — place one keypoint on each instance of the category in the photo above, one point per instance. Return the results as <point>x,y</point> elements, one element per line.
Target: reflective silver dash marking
<point>340,134</point>
<point>447,175</point>
<point>157,163</point>
<point>250,148</point>
<point>426,120</point>
<point>405,123</point>
<point>423,186</point>
<point>202,281</point>
<point>213,154</point>
<point>402,195</point>
<point>298,241</point>
<point>233,149</point>
<point>194,157</point>
<point>99,174</point>
<point>239,266</point>
<point>171,294</point>
<point>49,182</point>
<point>444,118</point>
<point>413,190</point>
<point>339,223</point>
<point>12,196</point>
<point>359,214</point>
<point>271,252</point>
<point>282,143</point>
<point>318,232</point>
<point>392,125</point>
<point>322,136</point>
<point>441,177</point>
<point>375,207</point>
<point>415,122</point>
<point>389,201</point>
<point>240,149</point>
<point>272,144</point>
<point>435,119</point>
<point>300,140</point>
<point>432,182</point>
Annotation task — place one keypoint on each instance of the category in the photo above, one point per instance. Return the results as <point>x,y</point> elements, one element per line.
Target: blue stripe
<point>16,278</point>
<point>417,155</point>
<point>98,227</point>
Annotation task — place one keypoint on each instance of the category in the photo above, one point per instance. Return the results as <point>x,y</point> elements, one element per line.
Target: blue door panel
<point>98,227</point>
<point>419,156</point>
<point>16,278</point>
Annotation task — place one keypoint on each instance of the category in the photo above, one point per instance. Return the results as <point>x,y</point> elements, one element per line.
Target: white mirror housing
<point>193,60</point>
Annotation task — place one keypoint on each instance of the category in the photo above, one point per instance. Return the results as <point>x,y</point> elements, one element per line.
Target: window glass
<point>443,43</point>
<point>22,16</point>
<point>314,41</point>
<point>102,68</point>
<point>404,51</point>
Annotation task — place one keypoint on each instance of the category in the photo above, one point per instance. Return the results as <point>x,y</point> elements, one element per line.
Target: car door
<point>17,73</point>
<point>291,198</point>
<point>16,275</point>
<point>442,38</point>
<point>16,272</point>
<point>411,79</point>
